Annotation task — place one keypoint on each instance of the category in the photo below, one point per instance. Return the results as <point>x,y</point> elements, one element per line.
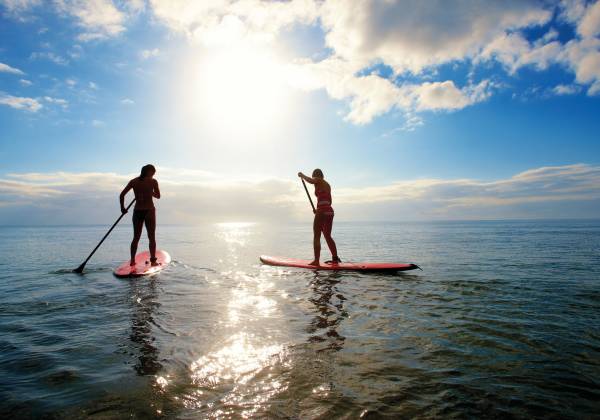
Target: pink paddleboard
<point>364,267</point>
<point>142,265</point>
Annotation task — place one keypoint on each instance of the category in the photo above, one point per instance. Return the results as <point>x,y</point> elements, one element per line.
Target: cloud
<point>55,58</point>
<point>566,89</point>
<point>589,25</point>
<point>446,96</point>
<point>413,35</point>
<point>146,54</point>
<point>189,196</point>
<point>411,38</point>
<point>99,18</point>
<point>98,123</point>
<point>21,103</point>
<point>373,95</point>
<point>219,22</point>
<point>25,82</point>
<point>5,68</point>
<point>127,101</point>
<point>192,196</point>
<point>62,102</point>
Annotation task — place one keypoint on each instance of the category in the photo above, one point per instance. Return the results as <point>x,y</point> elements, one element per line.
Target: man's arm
<point>156,191</point>
<point>122,197</point>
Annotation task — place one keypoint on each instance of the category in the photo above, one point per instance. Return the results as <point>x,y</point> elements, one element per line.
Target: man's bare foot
<point>153,262</point>
<point>131,263</point>
<point>314,262</point>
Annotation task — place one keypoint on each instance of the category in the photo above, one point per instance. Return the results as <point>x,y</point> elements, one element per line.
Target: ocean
<point>503,321</point>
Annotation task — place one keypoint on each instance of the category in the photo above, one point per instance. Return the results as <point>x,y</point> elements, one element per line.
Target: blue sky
<point>414,112</point>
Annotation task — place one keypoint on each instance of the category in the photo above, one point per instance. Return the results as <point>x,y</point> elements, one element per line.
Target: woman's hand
<point>300,174</point>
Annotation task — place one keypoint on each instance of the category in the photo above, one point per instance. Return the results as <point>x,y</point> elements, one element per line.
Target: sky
<point>415,110</point>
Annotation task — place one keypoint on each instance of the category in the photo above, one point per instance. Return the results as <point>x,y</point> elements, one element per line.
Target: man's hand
<point>123,210</point>
<point>300,174</point>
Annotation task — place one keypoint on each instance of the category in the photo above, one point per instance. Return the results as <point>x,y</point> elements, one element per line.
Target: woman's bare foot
<point>131,263</point>
<point>153,262</point>
<point>334,260</point>
<point>314,262</point>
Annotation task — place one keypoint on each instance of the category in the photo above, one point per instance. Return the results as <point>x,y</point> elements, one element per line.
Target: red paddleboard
<point>142,265</point>
<point>360,266</point>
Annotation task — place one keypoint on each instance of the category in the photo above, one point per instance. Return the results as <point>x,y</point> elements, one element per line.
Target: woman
<point>323,216</point>
<point>144,187</point>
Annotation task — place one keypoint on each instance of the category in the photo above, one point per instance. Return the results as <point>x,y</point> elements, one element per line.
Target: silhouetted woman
<point>323,216</point>
<point>144,187</point>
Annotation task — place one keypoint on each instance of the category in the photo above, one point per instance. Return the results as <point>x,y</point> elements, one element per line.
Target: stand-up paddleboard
<point>142,265</point>
<point>349,266</point>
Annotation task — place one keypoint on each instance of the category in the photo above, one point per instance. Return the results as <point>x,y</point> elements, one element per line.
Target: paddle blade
<point>79,270</point>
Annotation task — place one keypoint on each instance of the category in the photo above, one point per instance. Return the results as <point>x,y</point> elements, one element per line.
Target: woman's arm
<point>122,196</point>
<point>156,191</point>
<point>307,178</point>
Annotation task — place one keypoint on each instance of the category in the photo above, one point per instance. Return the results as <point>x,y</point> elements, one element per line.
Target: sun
<point>240,88</point>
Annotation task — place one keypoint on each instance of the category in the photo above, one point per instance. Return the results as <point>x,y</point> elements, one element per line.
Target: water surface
<point>503,321</point>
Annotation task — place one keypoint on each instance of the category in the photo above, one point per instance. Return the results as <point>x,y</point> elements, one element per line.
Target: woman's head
<point>317,173</point>
<point>147,171</point>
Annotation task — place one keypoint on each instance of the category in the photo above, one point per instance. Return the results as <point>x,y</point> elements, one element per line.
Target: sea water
<point>504,320</point>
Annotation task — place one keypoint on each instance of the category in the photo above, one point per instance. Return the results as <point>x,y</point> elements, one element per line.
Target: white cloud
<point>191,196</point>
<point>127,101</point>
<point>98,123</point>
<point>25,82</point>
<point>514,51</point>
<point>55,58</point>
<point>15,6</point>
<point>58,101</point>
<point>99,18</point>
<point>5,68</point>
<point>589,26</point>
<point>412,35</point>
<point>145,54</point>
<point>17,102</point>
<point>446,96</point>
<point>565,89</point>
<point>93,86</point>
<point>213,22</point>
<point>373,95</point>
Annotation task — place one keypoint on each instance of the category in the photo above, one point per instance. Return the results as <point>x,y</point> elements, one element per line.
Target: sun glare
<point>240,89</point>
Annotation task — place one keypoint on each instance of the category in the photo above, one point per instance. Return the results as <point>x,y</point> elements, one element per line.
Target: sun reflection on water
<point>241,372</point>
<point>234,233</point>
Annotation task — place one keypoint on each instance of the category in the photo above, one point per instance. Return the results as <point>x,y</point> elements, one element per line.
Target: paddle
<point>308,194</point>
<point>80,268</point>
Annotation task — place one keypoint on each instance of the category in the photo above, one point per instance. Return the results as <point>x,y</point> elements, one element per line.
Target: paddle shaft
<point>80,268</point>
<point>308,194</point>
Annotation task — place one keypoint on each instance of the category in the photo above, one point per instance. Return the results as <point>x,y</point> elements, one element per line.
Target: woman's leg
<point>317,238</point>
<point>151,231</point>
<point>327,227</point>
<point>138,224</point>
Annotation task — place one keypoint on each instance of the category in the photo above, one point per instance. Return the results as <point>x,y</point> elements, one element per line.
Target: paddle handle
<point>80,268</point>
<point>308,194</point>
